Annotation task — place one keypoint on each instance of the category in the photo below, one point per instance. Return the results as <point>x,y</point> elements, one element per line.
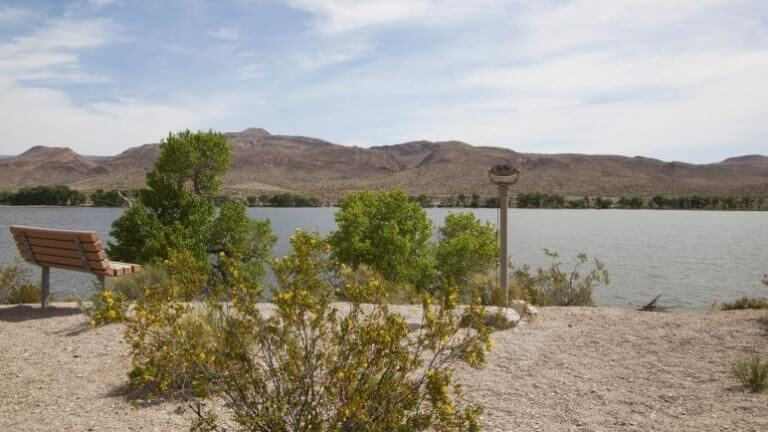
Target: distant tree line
<point>543,200</point>
<point>44,195</point>
<point>60,195</point>
<point>712,202</point>
<point>283,200</point>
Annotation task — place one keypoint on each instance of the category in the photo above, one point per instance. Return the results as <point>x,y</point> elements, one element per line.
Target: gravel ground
<point>573,369</point>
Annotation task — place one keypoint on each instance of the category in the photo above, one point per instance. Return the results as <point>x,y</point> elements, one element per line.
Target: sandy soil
<point>574,369</point>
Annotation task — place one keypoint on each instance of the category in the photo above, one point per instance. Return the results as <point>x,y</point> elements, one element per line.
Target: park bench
<point>80,251</point>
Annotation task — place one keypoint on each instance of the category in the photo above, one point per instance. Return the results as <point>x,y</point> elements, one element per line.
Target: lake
<point>690,257</point>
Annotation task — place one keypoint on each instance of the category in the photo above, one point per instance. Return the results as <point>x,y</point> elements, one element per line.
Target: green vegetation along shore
<point>65,196</point>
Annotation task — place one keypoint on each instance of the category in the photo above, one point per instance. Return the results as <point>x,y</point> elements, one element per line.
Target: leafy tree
<point>475,203</point>
<point>46,195</point>
<point>423,200</point>
<point>178,212</point>
<point>386,231</point>
<point>466,246</point>
<point>285,200</point>
<point>450,202</point>
<point>492,202</point>
<point>603,203</point>
<point>112,197</point>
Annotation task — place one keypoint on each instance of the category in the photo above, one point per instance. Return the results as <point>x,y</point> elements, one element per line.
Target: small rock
<point>522,307</point>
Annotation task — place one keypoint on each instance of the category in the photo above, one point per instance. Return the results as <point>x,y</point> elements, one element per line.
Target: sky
<point>671,79</point>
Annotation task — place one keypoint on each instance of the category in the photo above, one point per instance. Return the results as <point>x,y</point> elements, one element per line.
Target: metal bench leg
<point>46,287</point>
<point>102,281</point>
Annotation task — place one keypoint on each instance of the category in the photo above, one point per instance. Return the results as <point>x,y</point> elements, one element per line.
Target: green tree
<point>178,212</point>
<point>386,231</point>
<point>466,247</point>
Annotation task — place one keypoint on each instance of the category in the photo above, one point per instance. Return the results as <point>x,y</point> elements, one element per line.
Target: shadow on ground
<point>22,313</point>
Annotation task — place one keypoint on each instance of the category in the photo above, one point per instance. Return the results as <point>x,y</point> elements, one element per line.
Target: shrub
<point>178,210</point>
<point>133,286</point>
<point>552,286</point>
<point>386,231</point>
<point>308,363</point>
<point>745,303</point>
<point>466,247</point>
<point>311,366</point>
<point>162,331</point>
<point>106,307</point>
<point>752,371</point>
<point>16,286</point>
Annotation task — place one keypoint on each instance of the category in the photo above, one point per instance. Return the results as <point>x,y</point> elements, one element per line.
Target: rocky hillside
<point>266,163</point>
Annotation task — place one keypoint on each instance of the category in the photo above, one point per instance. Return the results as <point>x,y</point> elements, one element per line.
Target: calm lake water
<point>690,257</point>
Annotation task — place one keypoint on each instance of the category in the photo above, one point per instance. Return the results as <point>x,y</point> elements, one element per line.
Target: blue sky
<point>677,80</point>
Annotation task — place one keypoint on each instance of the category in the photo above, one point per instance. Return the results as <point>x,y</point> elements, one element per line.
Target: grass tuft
<point>745,303</point>
<point>752,371</point>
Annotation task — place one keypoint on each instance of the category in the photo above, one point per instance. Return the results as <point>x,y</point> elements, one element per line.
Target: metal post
<point>503,176</point>
<point>504,205</point>
<point>46,286</point>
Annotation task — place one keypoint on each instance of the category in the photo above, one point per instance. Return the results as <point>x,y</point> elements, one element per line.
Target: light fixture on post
<point>503,176</point>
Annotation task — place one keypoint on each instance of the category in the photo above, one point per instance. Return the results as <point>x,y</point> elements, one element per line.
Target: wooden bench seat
<point>80,251</point>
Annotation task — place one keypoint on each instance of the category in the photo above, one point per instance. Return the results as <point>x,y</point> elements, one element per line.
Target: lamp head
<point>504,174</point>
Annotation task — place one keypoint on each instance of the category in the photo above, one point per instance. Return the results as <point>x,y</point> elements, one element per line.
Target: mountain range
<point>267,163</point>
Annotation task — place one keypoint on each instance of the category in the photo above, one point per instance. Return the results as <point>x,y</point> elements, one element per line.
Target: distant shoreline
<point>433,207</point>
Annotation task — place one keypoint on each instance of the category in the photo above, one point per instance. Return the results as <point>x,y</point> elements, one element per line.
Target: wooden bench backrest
<point>60,249</point>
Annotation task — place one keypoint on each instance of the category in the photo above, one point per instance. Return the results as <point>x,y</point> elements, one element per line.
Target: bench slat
<point>75,262</point>
<point>59,244</point>
<point>66,253</point>
<point>54,234</point>
<point>107,272</point>
<point>135,268</point>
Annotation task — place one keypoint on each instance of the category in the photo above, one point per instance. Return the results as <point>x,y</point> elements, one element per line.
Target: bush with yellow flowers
<point>168,332</point>
<point>106,307</point>
<point>309,363</point>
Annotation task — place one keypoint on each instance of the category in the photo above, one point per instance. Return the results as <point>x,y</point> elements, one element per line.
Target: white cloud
<point>51,53</point>
<point>11,14</point>
<point>630,76</point>
<point>103,3</point>
<point>32,114</point>
<point>344,15</point>
<point>332,54</point>
<point>226,33</point>
<point>251,71</point>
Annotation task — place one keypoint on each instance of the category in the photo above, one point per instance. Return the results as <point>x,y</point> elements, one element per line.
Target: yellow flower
<point>341,375</point>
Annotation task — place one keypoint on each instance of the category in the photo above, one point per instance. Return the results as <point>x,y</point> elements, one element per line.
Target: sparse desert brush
<point>16,286</point>
<point>553,286</point>
<point>752,371</point>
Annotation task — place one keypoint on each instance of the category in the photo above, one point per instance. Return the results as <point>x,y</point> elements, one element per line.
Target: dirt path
<point>574,369</point>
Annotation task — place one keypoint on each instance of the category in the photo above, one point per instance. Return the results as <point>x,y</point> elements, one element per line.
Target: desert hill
<point>266,163</point>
